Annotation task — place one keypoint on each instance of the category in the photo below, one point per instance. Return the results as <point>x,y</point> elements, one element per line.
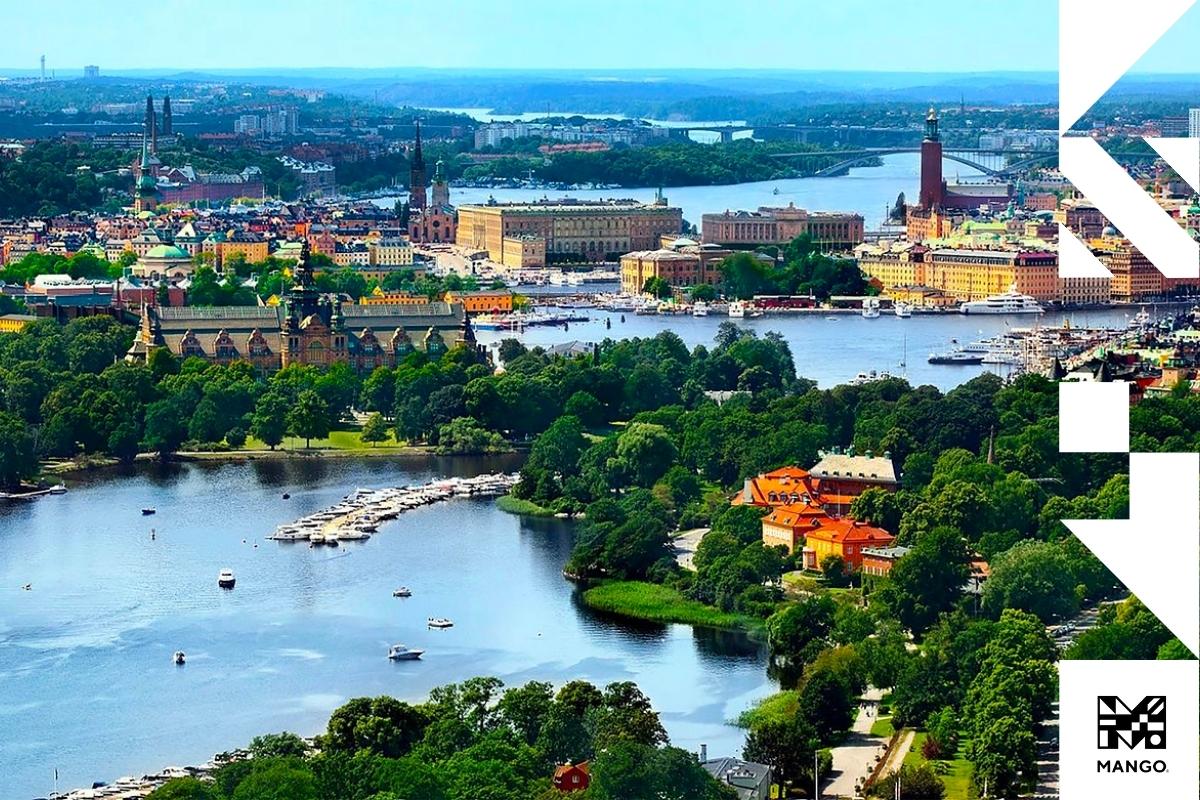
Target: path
<point>685,545</point>
<point>854,759</point>
<point>1047,759</point>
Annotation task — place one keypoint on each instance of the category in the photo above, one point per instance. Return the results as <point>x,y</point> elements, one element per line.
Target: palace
<point>749,229</point>
<point>306,327</point>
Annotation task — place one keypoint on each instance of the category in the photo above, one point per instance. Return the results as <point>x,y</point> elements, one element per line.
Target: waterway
<point>832,348</point>
<point>869,191</point>
<point>87,685</point>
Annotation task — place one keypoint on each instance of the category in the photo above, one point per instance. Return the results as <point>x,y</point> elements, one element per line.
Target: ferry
<point>1011,302</point>
<point>904,310</point>
<point>870,309</point>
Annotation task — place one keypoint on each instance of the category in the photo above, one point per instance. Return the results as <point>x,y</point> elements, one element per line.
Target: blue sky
<point>884,35</point>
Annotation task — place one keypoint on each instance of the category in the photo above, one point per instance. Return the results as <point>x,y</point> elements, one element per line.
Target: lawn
<point>655,603</point>
<point>955,772</point>
<point>882,727</point>
<point>348,439</point>
<point>515,505</point>
<point>779,707</point>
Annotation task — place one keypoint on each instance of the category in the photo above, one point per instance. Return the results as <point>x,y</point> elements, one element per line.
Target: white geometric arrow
<point>1156,552</point>
<point>1183,154</point>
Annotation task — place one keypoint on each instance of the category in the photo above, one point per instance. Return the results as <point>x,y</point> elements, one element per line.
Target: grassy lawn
<point>955,772</point>
<point>348,439</point>
<point>779,707</point>
<point>655,603</point>
<point>515,505</point>
<point>883,727</point>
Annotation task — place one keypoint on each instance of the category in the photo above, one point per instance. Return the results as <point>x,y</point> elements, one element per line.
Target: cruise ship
<point>1011,302</point>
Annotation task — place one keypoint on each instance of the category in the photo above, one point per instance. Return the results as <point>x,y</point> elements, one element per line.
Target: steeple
<point>440,195</point>
<point>145,191</point>
<point>416,176</point>
<point>931,125</point>
<point>166,125</point>
<point>151,124</point>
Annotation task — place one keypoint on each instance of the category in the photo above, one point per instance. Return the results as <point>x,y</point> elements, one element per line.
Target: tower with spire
<point>145,194</point>
<point>440,193</point>
<point>166,112</point>
<point>416,174</point>
<point>151,124</point>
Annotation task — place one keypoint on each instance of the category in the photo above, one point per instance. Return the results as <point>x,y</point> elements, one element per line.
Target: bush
<point>916,783</point>
<point>235,438</point>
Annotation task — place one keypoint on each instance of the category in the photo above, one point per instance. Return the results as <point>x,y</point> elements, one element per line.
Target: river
<point>870,191</point>
<point>86,680</point>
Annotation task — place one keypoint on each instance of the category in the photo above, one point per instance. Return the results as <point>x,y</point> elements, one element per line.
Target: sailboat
<point>904,357</point>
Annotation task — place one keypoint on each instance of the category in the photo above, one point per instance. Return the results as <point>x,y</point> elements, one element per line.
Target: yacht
<point>179,657</point>
<point>700,309</point>
<point>400,652</point>
<point>870,309</point>
<point>1011,302</point>
<point>147,511</point>
<point>403,591</point>
<point>440,622</point>
<point>903,310</point>
<point>1142,319</point>
<point>737,309</point>
<point>225,579</point>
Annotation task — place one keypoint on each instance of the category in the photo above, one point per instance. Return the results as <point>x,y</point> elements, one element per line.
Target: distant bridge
<point>995,163</point>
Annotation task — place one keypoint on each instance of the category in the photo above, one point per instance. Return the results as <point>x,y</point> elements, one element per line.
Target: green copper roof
<point>167,251</point>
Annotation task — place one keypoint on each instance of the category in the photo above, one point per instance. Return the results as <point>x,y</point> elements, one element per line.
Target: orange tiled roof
<point>767,488</point>
<point>795,515</point>
<point>847,531</point>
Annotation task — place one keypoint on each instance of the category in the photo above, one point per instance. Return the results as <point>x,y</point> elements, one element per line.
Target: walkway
<point>854,759</point>
<point>685,545</point>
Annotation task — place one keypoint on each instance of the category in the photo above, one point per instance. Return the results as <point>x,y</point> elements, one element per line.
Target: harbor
<point>360,514</point>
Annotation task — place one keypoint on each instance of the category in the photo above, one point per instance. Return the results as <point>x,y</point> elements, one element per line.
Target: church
<point>307,327</point>
<point>432,220</point>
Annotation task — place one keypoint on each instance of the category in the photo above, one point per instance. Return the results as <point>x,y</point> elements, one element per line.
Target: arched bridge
<point>996,163</point>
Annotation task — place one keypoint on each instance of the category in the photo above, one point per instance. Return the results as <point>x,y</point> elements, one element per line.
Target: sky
<point>876,35</point>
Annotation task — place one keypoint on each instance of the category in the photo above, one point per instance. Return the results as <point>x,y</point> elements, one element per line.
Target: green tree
<point>184,789</point>
<point>165,429</point>
<point>269,422</point>
<point>1034,577</point>
<point>786,746</point>
<point>308,417</point>
<point>929,579</point>
<point>381,725</point>
<point>375,429</point>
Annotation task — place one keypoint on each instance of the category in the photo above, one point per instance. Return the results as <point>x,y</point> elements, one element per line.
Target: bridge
<point>996,163</point>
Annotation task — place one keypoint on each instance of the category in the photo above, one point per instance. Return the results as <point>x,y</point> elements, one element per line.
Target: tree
<point>278,779</point>
<point>269,422</point>
<point>799,631</point>
<point>465,436</point>
<point>704,292</point>
<point>527,707</point>
<point>916,783</point>
<point>308,417</point>
<point>786,746</point>
<point>381,725</point>
<point>278,745</point>
<point>165,429</point>
<point>835,571</point>
<point>184,789</point>
<point>929,579</point>
<point>375,429</point>
<point>18,459</point>
<point>656,287</point>
<point>645,452</point>
<point>827,702</point>
<point>1031,576</point>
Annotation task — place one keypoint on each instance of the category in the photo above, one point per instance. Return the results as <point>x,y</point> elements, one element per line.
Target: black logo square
<point>1122,727</point>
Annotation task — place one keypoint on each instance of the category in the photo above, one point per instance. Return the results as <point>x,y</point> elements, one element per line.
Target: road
<point>685,545</point>
<point>855,758</point>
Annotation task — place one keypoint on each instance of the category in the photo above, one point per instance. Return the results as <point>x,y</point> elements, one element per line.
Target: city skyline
<point>852,36</point>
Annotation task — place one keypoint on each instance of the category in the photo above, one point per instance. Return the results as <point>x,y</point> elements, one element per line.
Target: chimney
<point>703,753</point>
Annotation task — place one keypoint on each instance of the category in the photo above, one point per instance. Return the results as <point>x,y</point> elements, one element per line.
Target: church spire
<point>166,122</point>
<point>151,124</point>
<point>416,176</point>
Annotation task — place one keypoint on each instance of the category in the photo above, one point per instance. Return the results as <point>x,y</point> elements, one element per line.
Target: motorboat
<point>287,496</point>
<point>403,591</point>
<point>440,622</point>
<point>1011,302</point>
<point>225,579</point>
<point>57,488</point>
<point>700,309</point>
<point>316,538</point>
<point>400,652</point>
<point>148,511</point>
<point>904,310</point>
<point>179,657</point>
<point>870,309</point>
<point>737,309</point>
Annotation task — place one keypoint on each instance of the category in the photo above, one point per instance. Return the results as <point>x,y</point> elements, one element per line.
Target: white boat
<point>225,579</point>
<point>903,310</point>
<point>737,309</point>
<point>870,309</point>
<point>440,622</point>
<point>400,652</point>
<point>316,538</point>
<point>1011,302</point>
<point>700,309</point>
<point>179,657</point>
<point>403,591</point>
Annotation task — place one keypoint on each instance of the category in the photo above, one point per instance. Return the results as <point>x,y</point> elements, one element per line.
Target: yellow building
<point>484,301</point>
<point>390,252</point>
<point>525,251</point>
<point>973,274</point>
<point>15,323</point>
<point>682,264</point>
<point>572,230</point>
<point>250,246</point>
<point>899,264</point>
<point>382,298</point>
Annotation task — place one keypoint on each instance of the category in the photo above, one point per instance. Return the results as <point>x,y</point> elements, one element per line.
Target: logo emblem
<point>1120,726</point>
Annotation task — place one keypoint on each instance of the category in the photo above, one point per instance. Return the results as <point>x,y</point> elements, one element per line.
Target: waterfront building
<point>306,327</point>
<point>681,264</point>
<point>842,537</point>
<point>571,230</point>
<point>523,251</point>
<point>484,301</point>
<point>894,264</point>
<point>749,229</point>
<point>973,274</point>
<point>840,477</point>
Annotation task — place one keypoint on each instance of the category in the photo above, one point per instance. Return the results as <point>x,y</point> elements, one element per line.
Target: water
<point>870,191</point>
<point>86,680</point>
<point>833,348</point>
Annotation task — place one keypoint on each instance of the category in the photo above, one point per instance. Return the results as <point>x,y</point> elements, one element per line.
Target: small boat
<point>870,309</point>
<point>903,310</point>
<point>57,488</point>
<point>179,657</point>
<point>287,496</point>
<point>316,538</point>
<point>225,579</point>
<point>400,652</point>
<point>403,591</point>
<point>700,309</point>
<point>148,511</point>
<point>737,309</point>
<point>440,622</point>
<point>27,587</point>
